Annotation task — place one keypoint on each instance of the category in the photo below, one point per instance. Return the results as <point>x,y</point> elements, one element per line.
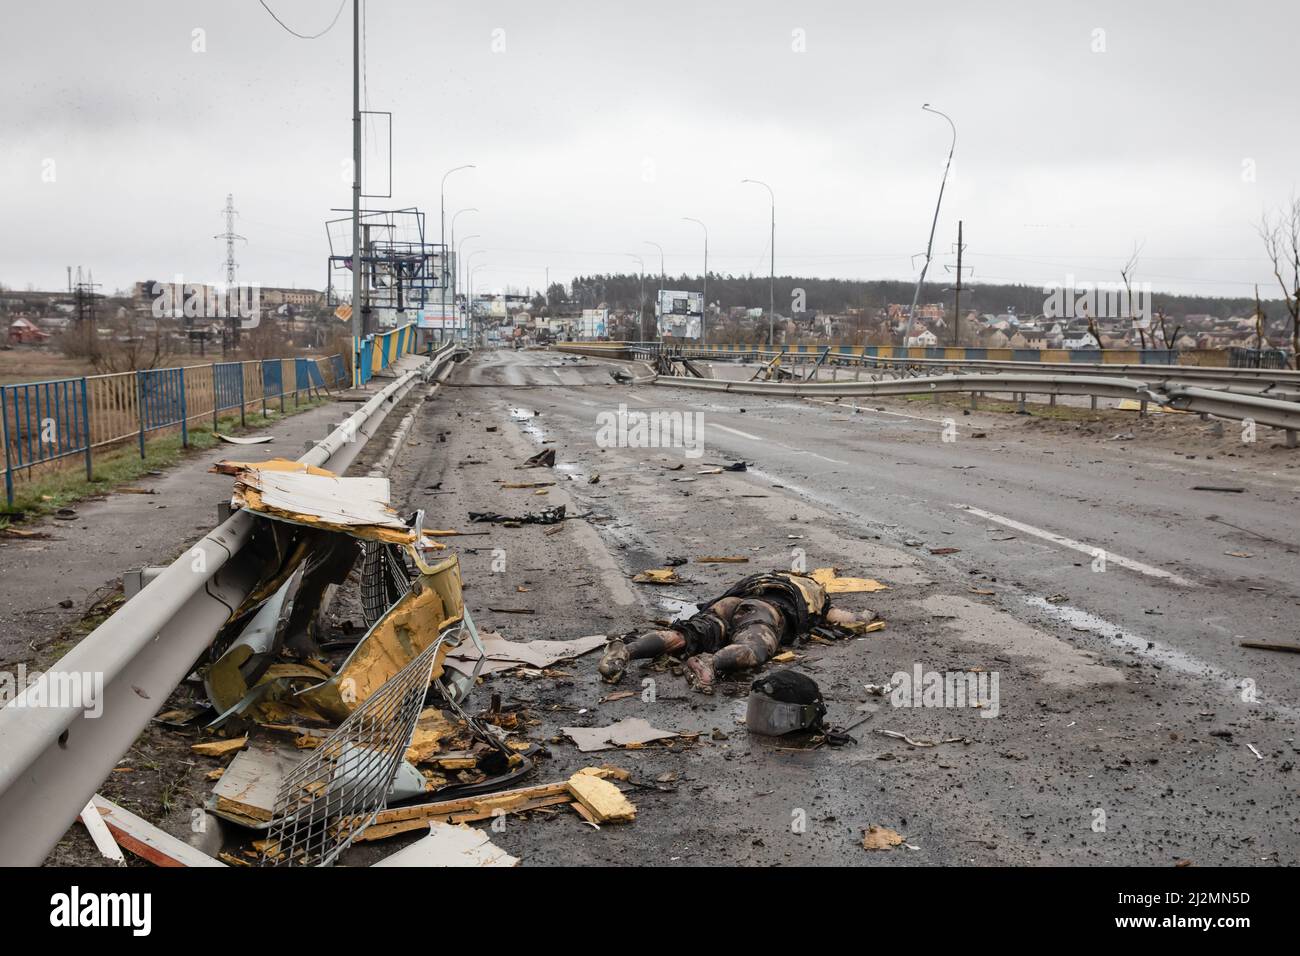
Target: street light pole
<point>907,333</point>
<point>704,336</point>
<point>442,212</point>
<point>459,272</point>
<point>358,287</point>
<point>662,280</point>
<point>640,314</point>
<point>473,330</point>
<point>771,284</point>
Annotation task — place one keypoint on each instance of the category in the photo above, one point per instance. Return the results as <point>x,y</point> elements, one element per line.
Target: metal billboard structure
<point>401,272</point>
<point>679,314</point>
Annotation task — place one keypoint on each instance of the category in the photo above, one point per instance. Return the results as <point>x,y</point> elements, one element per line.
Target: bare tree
<point>1126,274</point>
<point>1281,235</point>
<point>1162,321</point>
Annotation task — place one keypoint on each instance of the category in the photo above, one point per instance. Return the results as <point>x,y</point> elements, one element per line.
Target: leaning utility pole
<point>230,236</point>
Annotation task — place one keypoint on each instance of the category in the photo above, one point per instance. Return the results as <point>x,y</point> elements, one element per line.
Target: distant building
<point>26,332</point>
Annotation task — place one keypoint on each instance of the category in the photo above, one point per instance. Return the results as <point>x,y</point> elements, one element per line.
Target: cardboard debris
<point>219,748</point>
<point>603,801</point>
<point>629,732</point>
<point>506,655</point>
<point>880,838</point>
<point>657,576</point>
<point>451,845</point>
<point>829,579</point>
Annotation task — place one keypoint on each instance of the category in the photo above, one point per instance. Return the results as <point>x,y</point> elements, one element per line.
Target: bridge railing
<point>48,425</point>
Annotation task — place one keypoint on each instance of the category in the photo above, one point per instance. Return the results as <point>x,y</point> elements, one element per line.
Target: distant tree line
<point>623,291</point>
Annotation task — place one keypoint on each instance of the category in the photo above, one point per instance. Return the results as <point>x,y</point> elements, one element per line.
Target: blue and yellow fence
<point>46,425</point>
<point>375,353</point>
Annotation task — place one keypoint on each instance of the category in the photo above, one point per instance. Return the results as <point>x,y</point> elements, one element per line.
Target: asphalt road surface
<point>1107,597</point>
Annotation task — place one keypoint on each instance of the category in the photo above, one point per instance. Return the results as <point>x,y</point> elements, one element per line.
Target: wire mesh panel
<point>384,579</point>
<point>328,799</point>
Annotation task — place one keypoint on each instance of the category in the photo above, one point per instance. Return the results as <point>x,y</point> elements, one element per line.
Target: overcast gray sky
<point>1082,128</point>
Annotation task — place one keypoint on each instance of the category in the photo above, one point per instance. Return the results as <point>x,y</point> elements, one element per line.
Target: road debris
<point>1271,646</point>
<point>603,801</point>
<point>543,459</point>
<point>548,516</point>
<point>219,748</point>
<point>829,579</point>
<point>631,732</point>
<point>880,838</point>
<point>101,835</point>
<point>657,576</point>
<point>246,439</point>
<point>398,820</point>
<point>450,844</point>
<point>147,841</point>
<point>498,654</point>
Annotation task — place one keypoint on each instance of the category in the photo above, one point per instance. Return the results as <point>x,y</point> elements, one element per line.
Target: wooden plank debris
<point>147,841</point>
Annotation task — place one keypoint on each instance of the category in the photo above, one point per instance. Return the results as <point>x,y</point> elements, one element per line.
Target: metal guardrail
<point>1218,402</point>
<point>54,754</point>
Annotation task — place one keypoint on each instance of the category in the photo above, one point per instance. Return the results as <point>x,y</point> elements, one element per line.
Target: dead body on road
<point>741,629</point>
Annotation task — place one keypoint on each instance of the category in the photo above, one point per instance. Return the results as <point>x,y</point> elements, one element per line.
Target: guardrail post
<point>1093,402</point>
<point>4,436</point>
<point>85,425</point>
<point>1290,438</point>
<point>139,388</point>
<point>185,423</point>
<point>1142,408</point>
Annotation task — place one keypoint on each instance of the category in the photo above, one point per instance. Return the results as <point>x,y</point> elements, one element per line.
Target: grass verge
<point>118,467</point>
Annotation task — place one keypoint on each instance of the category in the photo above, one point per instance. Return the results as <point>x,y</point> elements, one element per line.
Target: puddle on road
<point>526,419</point>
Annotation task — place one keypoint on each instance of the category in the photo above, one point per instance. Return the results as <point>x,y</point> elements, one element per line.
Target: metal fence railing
<point>375,353</point>
<point>47,424</point>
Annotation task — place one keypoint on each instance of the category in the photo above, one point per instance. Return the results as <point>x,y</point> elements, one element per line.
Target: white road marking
<point>858,409</point>
<point>1111,557</point>
<point>736,431</point>
<point>800,451</point>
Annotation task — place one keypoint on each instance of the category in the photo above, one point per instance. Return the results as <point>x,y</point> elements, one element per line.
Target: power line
<point>302,36</point>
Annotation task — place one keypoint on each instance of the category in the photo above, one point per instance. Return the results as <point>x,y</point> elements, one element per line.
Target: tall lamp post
<point>460,284</point>
<point>907,333</point>
<point>442,212</point>
<point>455,271</point>
<point>771,285</point>
<point>662,280</point>
<point>471,289</point>
<point>640,314</point>
<point>704,336</point>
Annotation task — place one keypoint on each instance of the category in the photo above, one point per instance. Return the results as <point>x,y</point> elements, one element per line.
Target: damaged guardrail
<point>67,730</point>
<point>1223,404</point>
